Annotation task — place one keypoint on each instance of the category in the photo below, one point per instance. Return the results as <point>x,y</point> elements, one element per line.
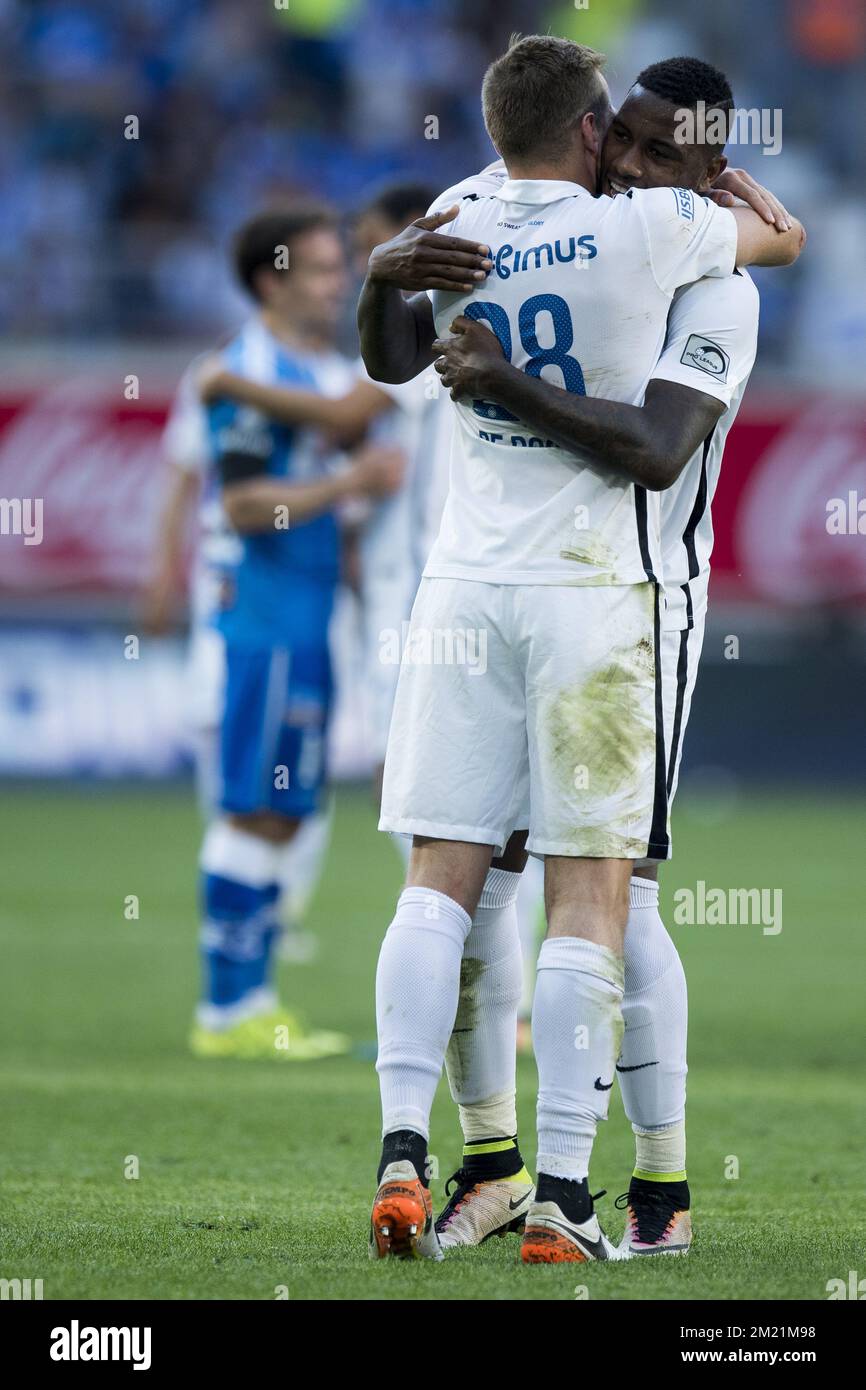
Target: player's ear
<point>716,166</point>
<point>591,135</point>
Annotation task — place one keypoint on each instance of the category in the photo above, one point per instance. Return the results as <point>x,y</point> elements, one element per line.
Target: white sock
<point>417,989</point>
<point>576,1032</point>
<point>481,1055</point>
<point>655,1012</point>
<point>239,890</point>
<point>299,865</point>
<point>530,913</point>
<point>235,854</point>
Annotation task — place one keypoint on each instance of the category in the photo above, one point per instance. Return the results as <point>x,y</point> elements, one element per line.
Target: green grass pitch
<point>257,1177</point>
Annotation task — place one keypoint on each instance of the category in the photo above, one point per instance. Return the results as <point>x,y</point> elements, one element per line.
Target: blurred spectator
<point>116,226</point>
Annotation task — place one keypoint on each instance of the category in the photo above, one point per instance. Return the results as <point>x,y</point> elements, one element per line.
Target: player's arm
<point>763,243</point>
<point>348,415</point>
<point>648,444</point>
<point>689,236</point>
<point>396,332</point>
<point>733,185</point>
<point>167,577</point>
<point>255,501</point>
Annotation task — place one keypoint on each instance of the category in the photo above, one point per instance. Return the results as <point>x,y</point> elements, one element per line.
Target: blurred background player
<point>397,536</point>
<point>395,532</point>
<point>192,517</point>
<point>280,492</point>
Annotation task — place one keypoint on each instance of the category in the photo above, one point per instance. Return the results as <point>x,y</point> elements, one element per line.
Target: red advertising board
<point>790,513</point>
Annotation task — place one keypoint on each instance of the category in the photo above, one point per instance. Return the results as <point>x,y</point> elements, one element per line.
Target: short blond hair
<point>535,94</point>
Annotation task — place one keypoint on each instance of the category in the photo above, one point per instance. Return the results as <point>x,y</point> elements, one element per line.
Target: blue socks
<point>240,927</point>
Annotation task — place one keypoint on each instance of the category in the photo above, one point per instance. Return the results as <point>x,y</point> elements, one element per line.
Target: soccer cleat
<point>276,1036</point>
<point>478,1210</point>
<point>551,1238</point>
<point>658,1220</point>
<point>292,1041</point>
<point>401,1222</point>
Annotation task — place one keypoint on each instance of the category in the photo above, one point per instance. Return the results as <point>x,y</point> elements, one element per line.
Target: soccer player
<point>709,352</point>
<point>280,495</point>
<point>416,418</point>
<point>192,489</point>
<point>558,567</point>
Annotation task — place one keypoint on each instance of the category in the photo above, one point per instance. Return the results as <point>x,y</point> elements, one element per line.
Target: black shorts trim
<point>682,678</point>
<point>698,509</point>
<point>659,840</point>
<point>640,511</point>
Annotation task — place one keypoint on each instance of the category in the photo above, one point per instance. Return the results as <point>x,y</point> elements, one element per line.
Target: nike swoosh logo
<point>600,1087</point>
<point>521,1201</point>
<point>592,1247</point>
<point>639,1067</point>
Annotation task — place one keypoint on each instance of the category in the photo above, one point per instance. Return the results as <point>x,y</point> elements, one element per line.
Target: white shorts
<point>387,604</point>
<point>205,687</point>
<point>530,705</point>
<point>205,676</point>
<point>680,653</point>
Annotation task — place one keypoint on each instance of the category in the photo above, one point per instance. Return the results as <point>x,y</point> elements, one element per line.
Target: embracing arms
<point>649,444</point>
<point>397,332</point>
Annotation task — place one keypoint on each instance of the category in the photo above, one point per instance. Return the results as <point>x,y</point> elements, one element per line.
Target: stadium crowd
<point>133,131</point>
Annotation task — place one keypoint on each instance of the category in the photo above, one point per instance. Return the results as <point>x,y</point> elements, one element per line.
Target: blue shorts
<point>272,739</point>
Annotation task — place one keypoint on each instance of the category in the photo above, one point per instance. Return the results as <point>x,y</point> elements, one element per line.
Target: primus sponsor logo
<point>729,907</point>
<point>702,125</point>
<point>434,646</point>
<point>508,260</point>
<point>22,516</point>
<point>77,1343</point>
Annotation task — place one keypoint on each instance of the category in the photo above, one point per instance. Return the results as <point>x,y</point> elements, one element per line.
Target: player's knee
<point>267,825</point>
<point>454,868</point>
<point>588,898</point>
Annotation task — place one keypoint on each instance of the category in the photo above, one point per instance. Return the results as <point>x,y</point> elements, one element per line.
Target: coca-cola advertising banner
<point>82,477</point>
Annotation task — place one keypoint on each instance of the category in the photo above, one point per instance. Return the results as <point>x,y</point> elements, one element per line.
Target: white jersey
<point>186,445</point>
<point>400,531</point>
<point>420,425</point>
<point>711,343</point>
<point>579,294</point>
<point>185,442</point>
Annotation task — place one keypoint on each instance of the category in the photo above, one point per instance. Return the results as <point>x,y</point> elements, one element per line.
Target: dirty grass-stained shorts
<point>534,705</point>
